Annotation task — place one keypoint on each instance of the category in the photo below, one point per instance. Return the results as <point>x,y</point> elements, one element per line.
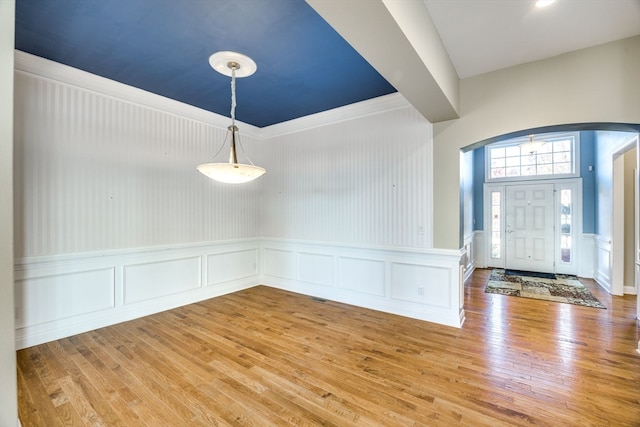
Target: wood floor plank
<point>31,402</point>
<point>268,357</point>
<point>37,391</point>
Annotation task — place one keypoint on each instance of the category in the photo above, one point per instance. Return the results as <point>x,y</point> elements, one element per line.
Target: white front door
<point>529,227</point>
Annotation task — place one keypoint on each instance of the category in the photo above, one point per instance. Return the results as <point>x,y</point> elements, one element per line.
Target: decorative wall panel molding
<point>424,284</point>
<point>226,266</point>
<point>63,295</point>
<point>603,263</point>
<point>366,276</point>
<point>469,258</point>
<point>59,296</point>
<point>156,279</point>
<point>279,263</point>
<point>317,269</point>
<point>479,249</point>
<point>587,262</point>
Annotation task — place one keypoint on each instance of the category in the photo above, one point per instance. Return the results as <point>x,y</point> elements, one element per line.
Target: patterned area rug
<point>563,288</point>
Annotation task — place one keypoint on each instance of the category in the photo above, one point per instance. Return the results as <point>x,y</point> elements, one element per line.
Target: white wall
<point>470,240</point>
<point>467,191</point>
<point>598,84</point>
<point>95,172</point>
<point>630,166</point>
<point>607,143</point>
<point>365,181</point>
<point>8,387</point>
<point>608,146</point>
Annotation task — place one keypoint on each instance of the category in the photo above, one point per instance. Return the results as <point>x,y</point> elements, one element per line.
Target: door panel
<point>530,243</point>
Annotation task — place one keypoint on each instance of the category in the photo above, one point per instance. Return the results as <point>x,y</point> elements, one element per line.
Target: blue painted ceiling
<point>163,46</point>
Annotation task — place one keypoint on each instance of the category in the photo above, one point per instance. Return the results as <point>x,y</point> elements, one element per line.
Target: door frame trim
<point>617,216</point>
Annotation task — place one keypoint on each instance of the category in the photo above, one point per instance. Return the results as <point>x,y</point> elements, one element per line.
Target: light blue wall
<point>589,200</point>
<point>468,191</point>
<point>478,180</point>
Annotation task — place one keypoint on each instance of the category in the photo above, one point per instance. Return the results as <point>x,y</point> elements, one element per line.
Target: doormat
<point>530,274</point>
<point>563,288</point>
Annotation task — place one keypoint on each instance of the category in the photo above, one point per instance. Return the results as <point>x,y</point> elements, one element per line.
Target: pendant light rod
<point>234,65</point>
<point>233,157</point>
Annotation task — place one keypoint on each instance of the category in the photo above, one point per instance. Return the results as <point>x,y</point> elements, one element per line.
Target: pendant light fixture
<point>234,65</point>
<point>531,146</point>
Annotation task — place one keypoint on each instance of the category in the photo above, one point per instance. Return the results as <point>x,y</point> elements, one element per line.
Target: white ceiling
<point>488,35</point>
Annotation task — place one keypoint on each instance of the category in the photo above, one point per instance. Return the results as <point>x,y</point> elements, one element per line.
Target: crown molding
<point>45,68</point>
<point>341,114</point>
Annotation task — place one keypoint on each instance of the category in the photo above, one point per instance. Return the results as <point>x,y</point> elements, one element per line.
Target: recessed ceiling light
<point>544,3</point>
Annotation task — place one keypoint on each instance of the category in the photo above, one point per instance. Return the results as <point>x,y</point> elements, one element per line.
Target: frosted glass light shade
<point>231,173</point>
<point>531,146</point>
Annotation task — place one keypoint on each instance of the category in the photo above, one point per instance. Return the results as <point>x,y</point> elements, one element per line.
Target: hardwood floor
<point>267,357</point>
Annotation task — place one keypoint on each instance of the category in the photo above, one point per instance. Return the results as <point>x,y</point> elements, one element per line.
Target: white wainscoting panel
<point>424,284</point>
<point>603,263</point>
<point>468,259</point>
<point>421,283</point>
<point>279,263</point>
<point>228,266</point>
<point>362,275</point>
<point>160,278</point>
<point>587,261</point>
<point>62,295</point>
<point>479,249</point>
<point>316,268</point>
